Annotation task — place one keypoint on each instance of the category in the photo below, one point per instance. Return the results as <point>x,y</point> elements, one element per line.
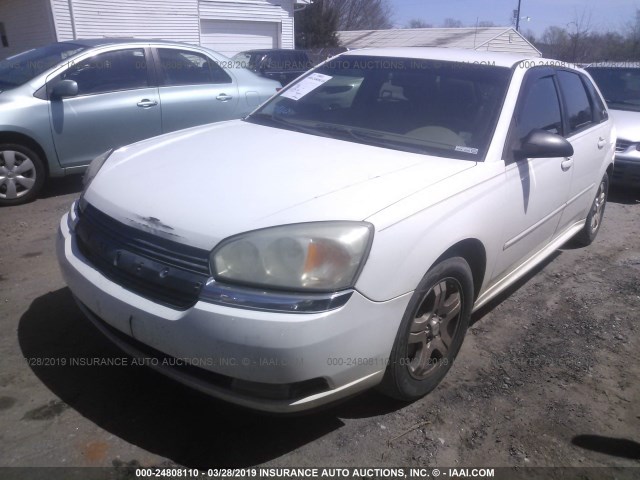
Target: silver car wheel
<point>598,207</point>
<point>434,328</point>
<point>17,174</point>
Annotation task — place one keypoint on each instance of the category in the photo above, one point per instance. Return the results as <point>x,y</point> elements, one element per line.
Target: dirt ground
<point>549,375</point>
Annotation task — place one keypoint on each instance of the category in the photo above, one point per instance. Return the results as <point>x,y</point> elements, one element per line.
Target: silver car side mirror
<point>64,88</point>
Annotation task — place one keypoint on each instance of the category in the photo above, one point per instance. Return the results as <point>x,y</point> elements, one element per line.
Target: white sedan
<point>340,236</point>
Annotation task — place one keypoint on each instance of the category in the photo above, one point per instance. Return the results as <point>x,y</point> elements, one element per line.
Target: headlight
<point>322,256</point>
<point>94,168</point>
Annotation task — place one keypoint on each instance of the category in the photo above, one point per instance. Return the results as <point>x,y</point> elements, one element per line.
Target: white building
<point>493,39</point>
<point>227,26</point>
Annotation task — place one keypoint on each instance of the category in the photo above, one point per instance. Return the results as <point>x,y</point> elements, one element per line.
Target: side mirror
<point>543,144</point>
<point>64,88</point>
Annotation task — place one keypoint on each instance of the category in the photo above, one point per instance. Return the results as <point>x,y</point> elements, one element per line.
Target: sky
<point>602,15</point>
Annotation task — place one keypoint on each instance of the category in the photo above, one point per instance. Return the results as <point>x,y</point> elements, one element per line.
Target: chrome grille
<point>156,268</point>
<point>622,146</point>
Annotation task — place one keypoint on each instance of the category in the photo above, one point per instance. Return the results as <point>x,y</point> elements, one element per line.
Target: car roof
<point>100,42</point>
<point>451,55</point>
<point>273,50</point>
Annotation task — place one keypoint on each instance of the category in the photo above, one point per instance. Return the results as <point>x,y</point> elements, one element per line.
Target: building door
<point>231,37</point>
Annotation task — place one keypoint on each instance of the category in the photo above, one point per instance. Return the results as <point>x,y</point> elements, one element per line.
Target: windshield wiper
<point>379,139</point>
<point>4,84</point>
<point>343,130</point>
<point>266,119</point>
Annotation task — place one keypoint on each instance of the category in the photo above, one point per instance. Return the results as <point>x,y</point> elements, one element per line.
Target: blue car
<point>63,104</point>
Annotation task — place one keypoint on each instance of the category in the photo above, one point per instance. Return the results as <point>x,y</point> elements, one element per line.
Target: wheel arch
<point>27,141</point>
<point>609,170</point>
<point>474,253</point>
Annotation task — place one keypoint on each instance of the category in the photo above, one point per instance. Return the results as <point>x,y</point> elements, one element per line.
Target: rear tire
<point>431,331</point>
<point>587,235</point>
<point>21,174</point>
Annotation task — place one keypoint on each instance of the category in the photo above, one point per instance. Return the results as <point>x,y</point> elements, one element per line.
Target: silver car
<point>66,103</point>
<point>620,85</point>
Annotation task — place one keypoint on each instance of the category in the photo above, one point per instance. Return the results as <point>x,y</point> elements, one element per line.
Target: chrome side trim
<point>579,194</point>
<point>521,270</point>
<point>272,301</point>
<point>539,223</point>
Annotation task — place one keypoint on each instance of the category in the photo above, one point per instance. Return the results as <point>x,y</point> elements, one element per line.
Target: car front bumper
<point>626,170</point>
<point>270,361</point>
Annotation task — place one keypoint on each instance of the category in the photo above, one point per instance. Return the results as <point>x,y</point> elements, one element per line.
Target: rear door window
<point>183,67</point>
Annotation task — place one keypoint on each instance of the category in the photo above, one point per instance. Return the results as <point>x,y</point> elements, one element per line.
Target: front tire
<point>587,235</point>
<point>431,331</point>
<point>21,174</point>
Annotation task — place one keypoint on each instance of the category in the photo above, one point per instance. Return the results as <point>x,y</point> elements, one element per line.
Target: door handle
<point>566,164</point>
<point>146,103</point>
<point>601,143</point>
<point>223,97</point>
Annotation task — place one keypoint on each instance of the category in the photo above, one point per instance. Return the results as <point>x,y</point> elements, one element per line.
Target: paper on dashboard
<point>305,86</point>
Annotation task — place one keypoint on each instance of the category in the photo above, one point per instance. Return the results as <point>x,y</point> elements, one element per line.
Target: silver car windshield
<point>619,86</point>
<point>21,68</point>
<point>447,109</point>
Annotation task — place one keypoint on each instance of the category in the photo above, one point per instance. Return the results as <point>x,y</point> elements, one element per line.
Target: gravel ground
<point>548,376</point>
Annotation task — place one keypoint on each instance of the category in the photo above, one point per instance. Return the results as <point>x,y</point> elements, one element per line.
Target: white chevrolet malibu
<point>341,235</point>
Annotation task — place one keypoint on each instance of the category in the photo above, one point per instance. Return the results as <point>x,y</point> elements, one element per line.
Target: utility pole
<point>518,17</point>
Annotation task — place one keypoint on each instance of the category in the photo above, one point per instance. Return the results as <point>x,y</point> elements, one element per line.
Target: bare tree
<point>316,26</point>
<point>417,23</point>
<point>485,24</point>
<point>577,43</point>
<point>529,35</point>
<point>633,35</point>
<point>555,40</point>
<point>451,23</point>
<point>362,14</point>
<point>579,31</point>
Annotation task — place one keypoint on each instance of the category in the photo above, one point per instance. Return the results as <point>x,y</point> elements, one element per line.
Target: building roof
<point>482,38</point>
<point>464,55</point>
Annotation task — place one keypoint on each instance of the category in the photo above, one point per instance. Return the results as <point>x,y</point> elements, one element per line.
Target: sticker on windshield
<point>466,149</point>
<point>305,86</point>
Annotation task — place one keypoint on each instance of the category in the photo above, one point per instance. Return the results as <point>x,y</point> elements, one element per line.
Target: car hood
<point>627,124</point>
<point>206,183</point>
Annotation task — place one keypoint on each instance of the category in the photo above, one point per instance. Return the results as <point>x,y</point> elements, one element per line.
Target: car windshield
<point>447,109</point>
<point>19,69</point>
<point>620,86</point>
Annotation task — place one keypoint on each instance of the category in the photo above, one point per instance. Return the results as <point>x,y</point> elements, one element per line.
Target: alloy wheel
<point>434,328</point>
<point>17,174</point>
<point>598,207</point>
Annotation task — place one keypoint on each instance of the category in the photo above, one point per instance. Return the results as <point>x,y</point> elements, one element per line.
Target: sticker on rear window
<point>460,148</point>
<point>305,86</point>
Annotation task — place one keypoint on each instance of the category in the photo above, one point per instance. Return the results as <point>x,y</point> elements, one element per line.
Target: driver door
<point>116,105</point>
<point>537,188</point>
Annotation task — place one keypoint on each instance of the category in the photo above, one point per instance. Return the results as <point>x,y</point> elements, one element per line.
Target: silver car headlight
<point>94,167</point>
<point>322,256</point>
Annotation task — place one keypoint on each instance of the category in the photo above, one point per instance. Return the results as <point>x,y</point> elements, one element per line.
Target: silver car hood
<point>206,183</point>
